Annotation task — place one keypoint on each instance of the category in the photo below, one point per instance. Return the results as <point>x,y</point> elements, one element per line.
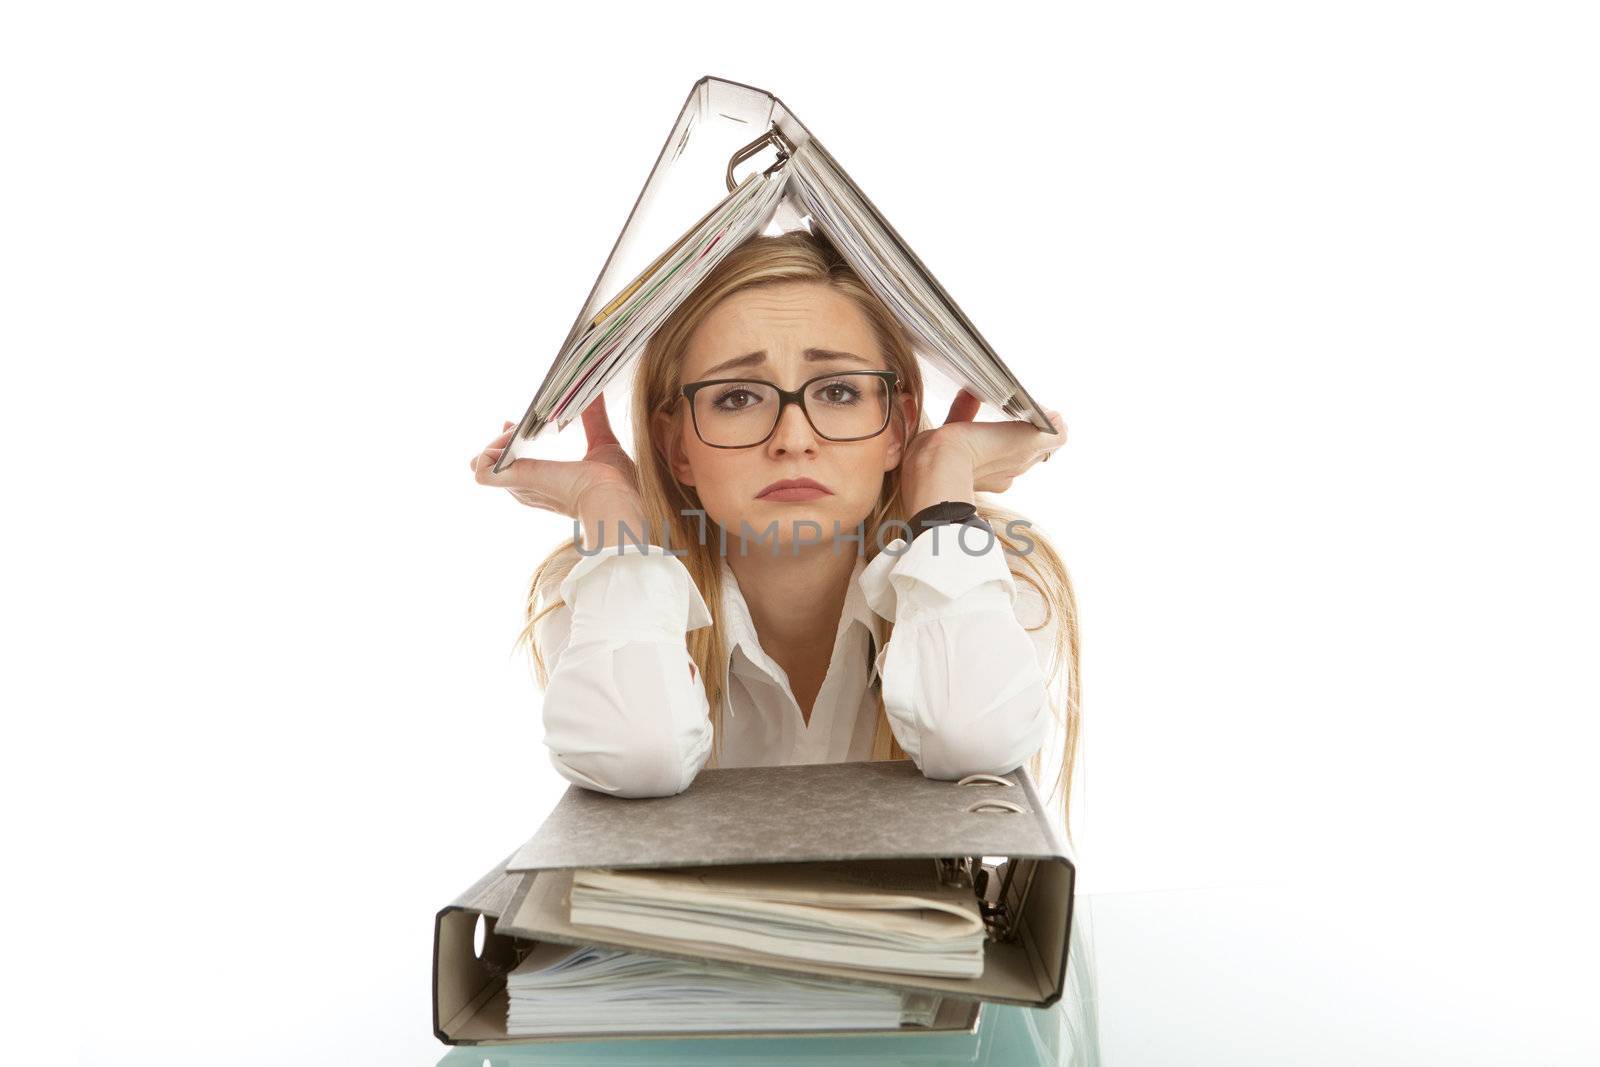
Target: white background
<point>1313,285</point>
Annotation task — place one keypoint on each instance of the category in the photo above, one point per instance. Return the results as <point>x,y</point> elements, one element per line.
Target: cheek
<point>719,474</point>
<point>862,473</point>
<point>874,461</point>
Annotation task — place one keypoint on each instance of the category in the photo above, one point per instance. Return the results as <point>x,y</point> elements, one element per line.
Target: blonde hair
<point>790,257</point>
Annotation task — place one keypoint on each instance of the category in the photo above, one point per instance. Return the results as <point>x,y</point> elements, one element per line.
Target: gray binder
<point>790,814</point>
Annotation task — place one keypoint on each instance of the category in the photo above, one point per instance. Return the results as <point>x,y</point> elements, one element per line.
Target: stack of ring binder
<point>799,814</point>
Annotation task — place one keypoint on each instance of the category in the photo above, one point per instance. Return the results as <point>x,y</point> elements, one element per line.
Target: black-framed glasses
<point>744,412</point>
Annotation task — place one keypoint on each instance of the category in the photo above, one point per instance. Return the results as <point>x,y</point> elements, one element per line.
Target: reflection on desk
<point>1007,1036</point>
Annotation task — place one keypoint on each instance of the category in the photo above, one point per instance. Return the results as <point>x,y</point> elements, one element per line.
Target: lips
<point>795,483</point>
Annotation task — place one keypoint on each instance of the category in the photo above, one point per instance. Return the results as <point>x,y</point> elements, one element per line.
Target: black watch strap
<point>946,513</point>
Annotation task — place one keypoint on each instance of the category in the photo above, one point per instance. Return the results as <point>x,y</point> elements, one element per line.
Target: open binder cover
<point>736,162</point>
<point>815,813</point>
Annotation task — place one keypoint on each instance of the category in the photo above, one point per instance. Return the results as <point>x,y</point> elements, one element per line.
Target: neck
<point>795,600</point>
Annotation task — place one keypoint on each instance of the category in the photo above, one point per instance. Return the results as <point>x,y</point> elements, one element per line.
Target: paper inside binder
<point>470,998</point>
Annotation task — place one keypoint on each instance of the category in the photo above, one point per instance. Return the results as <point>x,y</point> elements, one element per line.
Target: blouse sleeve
<point>963,680</point>
<point>624,713</point>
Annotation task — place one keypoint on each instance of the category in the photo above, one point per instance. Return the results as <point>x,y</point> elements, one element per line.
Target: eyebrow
<point>756,358</point>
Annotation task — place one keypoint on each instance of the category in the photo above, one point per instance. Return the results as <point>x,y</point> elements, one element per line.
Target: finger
<point>596,424</point>
<point>493,449</point>
<point>500,441</point>
<point>483,469</point>
<point>964,408</point>
<point>1059,437</point>
<point>1049,443</point>
<point>514,476</point>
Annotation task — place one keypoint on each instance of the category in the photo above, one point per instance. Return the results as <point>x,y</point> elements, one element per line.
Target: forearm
<point>624,711</point>
<point>962,683</point>
<point>625,717</point>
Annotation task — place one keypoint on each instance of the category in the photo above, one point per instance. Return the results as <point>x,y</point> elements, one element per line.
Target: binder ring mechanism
<point>774,137</point>
<point>1000,907</point>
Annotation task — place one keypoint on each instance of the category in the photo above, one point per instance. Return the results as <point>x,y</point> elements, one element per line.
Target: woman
<point>817,624</point>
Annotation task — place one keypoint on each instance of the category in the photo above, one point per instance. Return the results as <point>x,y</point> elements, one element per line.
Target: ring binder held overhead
<point>678,210</point>
<point>790,814</point>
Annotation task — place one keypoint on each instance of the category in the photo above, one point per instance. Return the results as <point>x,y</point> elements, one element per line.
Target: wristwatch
<point>947,513</point>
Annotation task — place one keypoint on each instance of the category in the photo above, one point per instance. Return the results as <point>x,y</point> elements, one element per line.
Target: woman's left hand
<point>952,461</point>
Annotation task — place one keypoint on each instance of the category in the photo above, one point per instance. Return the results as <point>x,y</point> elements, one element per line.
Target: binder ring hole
<point>480,933</point>
<point>994,804</point>
<point>993,778</point>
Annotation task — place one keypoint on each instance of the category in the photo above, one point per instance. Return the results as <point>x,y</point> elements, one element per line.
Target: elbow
<point>966,695</point>
<point>613,725</point>
<point>622,762</point>
<point>635,775</point>
<point>994,740</point>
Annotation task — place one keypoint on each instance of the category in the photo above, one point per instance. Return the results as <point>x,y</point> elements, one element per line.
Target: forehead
<point>783,319</point>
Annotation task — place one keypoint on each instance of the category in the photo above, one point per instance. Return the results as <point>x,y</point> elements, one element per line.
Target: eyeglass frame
<point>792,396</point>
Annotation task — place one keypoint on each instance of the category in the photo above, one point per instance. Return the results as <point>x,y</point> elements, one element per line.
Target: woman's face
<point>785,333</point>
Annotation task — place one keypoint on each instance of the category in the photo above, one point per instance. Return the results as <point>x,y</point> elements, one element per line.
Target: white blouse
<point>963,680</point>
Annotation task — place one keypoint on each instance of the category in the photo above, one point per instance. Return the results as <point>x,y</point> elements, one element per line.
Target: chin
<point>826,512</point>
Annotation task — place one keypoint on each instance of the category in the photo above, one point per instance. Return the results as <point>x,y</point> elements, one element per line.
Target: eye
<point>838,392</point>
<point>724,400</point>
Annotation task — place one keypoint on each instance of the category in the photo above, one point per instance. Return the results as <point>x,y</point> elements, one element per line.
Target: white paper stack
<point>880,915</point>
<point>562,989</point>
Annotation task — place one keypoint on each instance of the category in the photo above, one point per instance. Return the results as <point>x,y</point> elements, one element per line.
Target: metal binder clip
<point>773,137</point>
<point>1003,917</point>
<point>954,872</point>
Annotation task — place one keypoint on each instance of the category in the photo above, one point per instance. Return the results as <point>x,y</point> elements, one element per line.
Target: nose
<point>793,435</point>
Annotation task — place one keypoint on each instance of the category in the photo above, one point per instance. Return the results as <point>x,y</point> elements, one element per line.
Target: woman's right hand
<point>560,485</point>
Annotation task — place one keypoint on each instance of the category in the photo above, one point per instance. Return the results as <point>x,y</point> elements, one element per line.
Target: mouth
<point>794,489</point>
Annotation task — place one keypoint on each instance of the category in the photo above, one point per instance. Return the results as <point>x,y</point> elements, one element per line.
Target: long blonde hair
<point>800,256</point>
